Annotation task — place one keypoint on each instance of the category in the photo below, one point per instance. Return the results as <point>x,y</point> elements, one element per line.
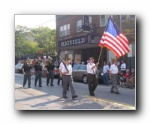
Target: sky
<point>35,21</point>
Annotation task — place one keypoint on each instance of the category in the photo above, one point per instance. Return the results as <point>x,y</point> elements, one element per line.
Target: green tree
<point>29,42</point>
<point>46,39</point>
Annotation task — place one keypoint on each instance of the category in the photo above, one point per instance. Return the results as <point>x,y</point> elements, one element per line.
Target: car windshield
<point>75,67</point>
<point>82,67</point>
<point>19,65</point>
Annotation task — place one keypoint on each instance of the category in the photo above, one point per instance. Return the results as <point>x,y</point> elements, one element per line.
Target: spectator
<point>132,78</point>
<point>105,73</point>
<point>123,67</point>
<point>121,78</point>
<point>127,77</point>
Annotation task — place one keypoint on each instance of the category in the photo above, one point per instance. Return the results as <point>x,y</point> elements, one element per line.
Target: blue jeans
<point>105,78</point>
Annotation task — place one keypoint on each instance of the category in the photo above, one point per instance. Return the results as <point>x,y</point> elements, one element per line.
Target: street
<point>50,98</point>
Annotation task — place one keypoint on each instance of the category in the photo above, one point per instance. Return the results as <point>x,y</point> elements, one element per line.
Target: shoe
<point>92,94</point>
<point>117,93</point>
<point>112,91</point>
<point>65,97</point>
<point>67,88</point>
<point>29,87</point>
<point>52,85</point>
<point>75,96</point>
<point>40,86</point>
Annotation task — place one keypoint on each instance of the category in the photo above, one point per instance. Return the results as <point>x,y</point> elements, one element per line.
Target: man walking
<point>26,69</point>
<point>91,75</point>
<point>50,69</point>
<point>114,77</point>
<point>66,73</point>
<point>38,73</point>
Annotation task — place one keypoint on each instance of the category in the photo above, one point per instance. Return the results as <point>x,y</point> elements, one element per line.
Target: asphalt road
<point>50,98</point>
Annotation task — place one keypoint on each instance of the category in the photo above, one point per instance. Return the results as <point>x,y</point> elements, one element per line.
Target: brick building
<point>77,44</point>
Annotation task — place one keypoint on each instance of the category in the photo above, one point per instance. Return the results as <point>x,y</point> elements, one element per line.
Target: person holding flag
<point>91,75</point>
<point>116,41</point>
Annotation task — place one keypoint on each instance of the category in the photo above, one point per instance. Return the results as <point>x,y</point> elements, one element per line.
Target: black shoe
<point>92,94</point>
<point>40,86</point>
<point>67,88</point>
<point>65,97</point>
<point>117,93</point>
<point>75,96</point>
<point>112,91</point>
<point>52,85</point>
<point>29,87</point>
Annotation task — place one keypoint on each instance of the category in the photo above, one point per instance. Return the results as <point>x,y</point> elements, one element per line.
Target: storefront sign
<point>73,41</point>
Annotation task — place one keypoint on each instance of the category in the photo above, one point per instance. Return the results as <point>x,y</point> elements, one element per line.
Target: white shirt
<point>113,69</point>
<point>105,68</point>
<point>89,68</point>
<point>63,69</point>
<point>123,67</point>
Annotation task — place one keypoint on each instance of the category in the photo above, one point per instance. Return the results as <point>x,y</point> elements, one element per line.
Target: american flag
<point>114,40</point>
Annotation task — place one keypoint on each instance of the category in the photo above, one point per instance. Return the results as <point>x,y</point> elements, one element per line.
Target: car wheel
<point>84,79</point>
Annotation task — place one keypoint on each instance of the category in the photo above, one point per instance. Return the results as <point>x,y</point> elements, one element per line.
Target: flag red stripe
<point>124,41</point>
<point>114,51</point>
<point>113,41</point>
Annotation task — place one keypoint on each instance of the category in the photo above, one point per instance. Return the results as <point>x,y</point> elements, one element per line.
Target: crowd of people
<point>110,72</point>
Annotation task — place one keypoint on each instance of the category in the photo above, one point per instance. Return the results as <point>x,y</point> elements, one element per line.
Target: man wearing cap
<point>114,76</point>
<point>38,72</point>
<point>91,75</point>
<point>66,72</point>
<point>26,69</point>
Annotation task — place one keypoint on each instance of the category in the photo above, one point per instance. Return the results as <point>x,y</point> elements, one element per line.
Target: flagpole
<point>100,54</point>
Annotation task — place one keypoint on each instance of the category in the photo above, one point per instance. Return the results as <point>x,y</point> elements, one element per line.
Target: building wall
<point>91,48</point>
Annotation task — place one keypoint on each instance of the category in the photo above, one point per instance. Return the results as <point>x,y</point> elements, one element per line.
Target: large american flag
<point>114,40</point>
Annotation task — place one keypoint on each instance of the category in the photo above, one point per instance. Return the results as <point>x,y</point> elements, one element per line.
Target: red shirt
<point>127,75</point>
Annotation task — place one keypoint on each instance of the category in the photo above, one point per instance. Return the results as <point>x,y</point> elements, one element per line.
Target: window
<point>61,31</point>
<point>123,17</point>
<point>90,20</point>
<point>79,24</point>
<point>132,16</point>
<point>68,29</point>
<point>65,30</point>
<point>102,20</point>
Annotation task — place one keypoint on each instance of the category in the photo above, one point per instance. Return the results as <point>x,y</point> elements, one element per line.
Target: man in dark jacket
<point>38,73</point>
<point>50,69</point>
<point>26,69</point>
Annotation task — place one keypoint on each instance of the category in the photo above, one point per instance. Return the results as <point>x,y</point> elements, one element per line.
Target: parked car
<point>79,72</point>
<point>18,68</point>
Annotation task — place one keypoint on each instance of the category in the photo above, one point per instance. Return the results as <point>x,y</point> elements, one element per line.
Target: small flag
<point>114,40</point>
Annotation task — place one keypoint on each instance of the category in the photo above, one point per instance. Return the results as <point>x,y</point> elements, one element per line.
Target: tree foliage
<point>30,42</point>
